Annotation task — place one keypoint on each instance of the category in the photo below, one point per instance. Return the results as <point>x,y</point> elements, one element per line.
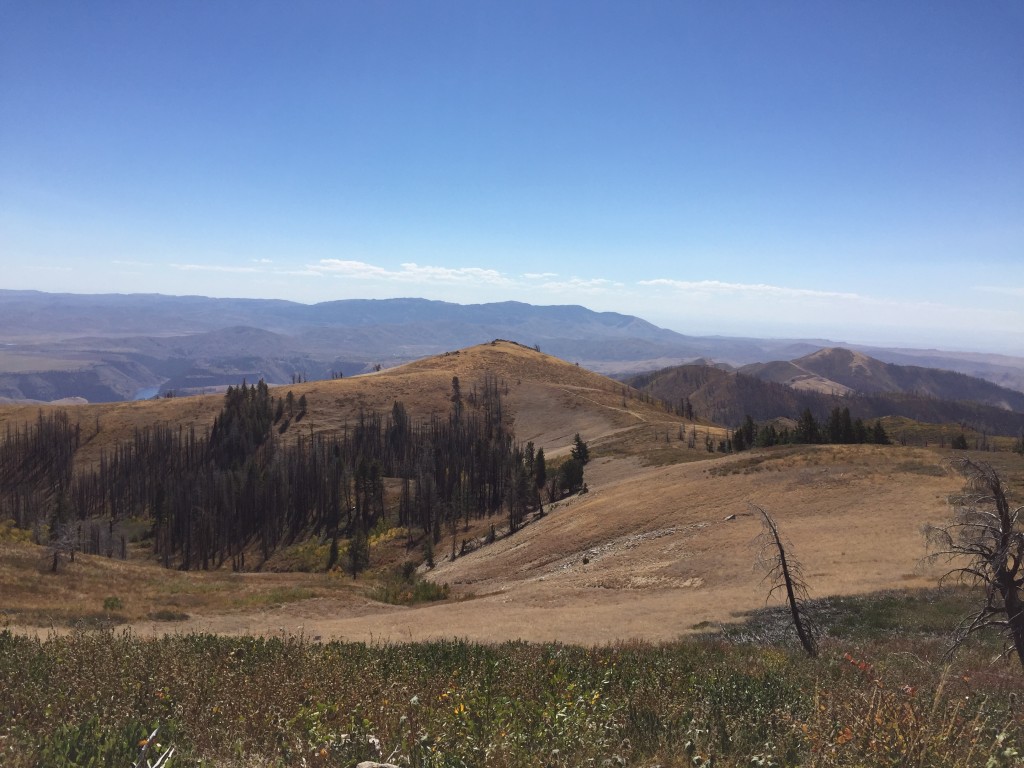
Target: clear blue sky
<point>845,170</point>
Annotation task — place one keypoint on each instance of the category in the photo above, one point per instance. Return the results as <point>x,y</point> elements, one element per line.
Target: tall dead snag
<point>985,545</point>
<point>783,571</point>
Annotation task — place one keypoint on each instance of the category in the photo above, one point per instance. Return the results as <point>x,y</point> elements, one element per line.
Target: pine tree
<point>807,430</point>
<point>579,451</point>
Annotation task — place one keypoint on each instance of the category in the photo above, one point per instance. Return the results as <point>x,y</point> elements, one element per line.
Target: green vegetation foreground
<point>88,699</point>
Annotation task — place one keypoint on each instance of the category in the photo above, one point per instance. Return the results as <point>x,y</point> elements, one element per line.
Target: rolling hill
<point>549,400</point>
<point>786,389</point>
<point>657,548</point>
<point>842,371</point>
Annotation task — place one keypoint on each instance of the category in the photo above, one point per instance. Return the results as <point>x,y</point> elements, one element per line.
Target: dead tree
<point>984,543</point>
<point>783,571</point>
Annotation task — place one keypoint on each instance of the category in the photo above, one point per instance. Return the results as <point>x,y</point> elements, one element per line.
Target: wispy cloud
<point>457,275</point>
<point>346,268</point>
<point>1004,290</point>
<point>589,285</point>
<point>763,289</point>
<point>216,268</point>
<point>411,273</point>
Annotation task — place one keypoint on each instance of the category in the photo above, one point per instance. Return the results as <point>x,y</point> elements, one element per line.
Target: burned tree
<point>984,543</point>
<point>783,571</point>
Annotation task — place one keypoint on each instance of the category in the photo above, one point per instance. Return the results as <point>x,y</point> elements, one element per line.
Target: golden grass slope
<point>651,552</point>
<point>661,544</point>
<point>549,399</point>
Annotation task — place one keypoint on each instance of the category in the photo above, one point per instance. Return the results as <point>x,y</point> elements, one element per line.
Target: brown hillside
<point>549,399</point>
<point>659,546</point>
<point>793,375</point>
<point>651,553</point>
<point>842,371</point>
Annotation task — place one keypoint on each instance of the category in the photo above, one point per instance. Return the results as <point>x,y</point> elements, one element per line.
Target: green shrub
<point>403,586</point>
<point>112,604</point>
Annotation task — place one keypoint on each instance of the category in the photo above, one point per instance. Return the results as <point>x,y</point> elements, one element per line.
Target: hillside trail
<point>653,553</point>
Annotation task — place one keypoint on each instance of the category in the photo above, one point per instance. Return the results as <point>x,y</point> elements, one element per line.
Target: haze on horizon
<point>843,171</point>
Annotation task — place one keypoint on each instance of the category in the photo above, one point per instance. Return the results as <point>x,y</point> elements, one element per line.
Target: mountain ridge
<point>727,397</point>
<point>185,343</point>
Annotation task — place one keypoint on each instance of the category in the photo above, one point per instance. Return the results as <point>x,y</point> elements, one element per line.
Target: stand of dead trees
<point>984,543</point>
<point>242,489</point>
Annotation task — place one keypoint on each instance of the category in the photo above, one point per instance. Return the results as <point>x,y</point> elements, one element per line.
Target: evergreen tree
<point>570,476</point>
<point>807,430</point>
<point>456,398</point>
<point>358,551</point>
<point>738,441</point>
<point>749,430</point>
<point>579,451</point>
<point>540,469</point>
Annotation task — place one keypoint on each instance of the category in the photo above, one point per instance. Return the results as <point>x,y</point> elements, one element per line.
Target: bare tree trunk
<point>987,534</point>
<point>784,573</point>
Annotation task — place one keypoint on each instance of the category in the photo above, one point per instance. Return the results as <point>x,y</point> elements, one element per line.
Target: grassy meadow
<point>880,693</point>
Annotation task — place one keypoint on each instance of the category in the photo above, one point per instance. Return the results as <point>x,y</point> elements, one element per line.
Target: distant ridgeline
<point>242,488</point>
<point>730,397</point>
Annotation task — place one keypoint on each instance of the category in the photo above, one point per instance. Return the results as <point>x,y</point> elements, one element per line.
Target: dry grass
<point>549,399</point>
<point>647,553</point>
<point>659,548</point>
<point>82,592</point>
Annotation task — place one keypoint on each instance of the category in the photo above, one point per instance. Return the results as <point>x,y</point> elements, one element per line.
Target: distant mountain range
<point>114,347</point>
<point>831,378</point>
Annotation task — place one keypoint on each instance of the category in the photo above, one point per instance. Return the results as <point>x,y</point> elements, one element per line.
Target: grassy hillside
<point>624,624</point>
<point>549,398</point>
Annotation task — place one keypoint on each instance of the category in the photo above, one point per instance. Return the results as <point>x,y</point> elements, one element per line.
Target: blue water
<point>145,393</point>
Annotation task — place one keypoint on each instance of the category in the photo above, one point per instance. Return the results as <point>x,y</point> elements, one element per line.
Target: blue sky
<point>844,170</point>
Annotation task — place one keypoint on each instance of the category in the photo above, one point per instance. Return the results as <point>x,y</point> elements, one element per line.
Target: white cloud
<point>345,268</point>
<point>216,268</point>
<point>303,272</point>
<point>540,275</point>
<point>457,275</point>
<point>411,273</point>
<point>719,287</point>
<point>581,285</point>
